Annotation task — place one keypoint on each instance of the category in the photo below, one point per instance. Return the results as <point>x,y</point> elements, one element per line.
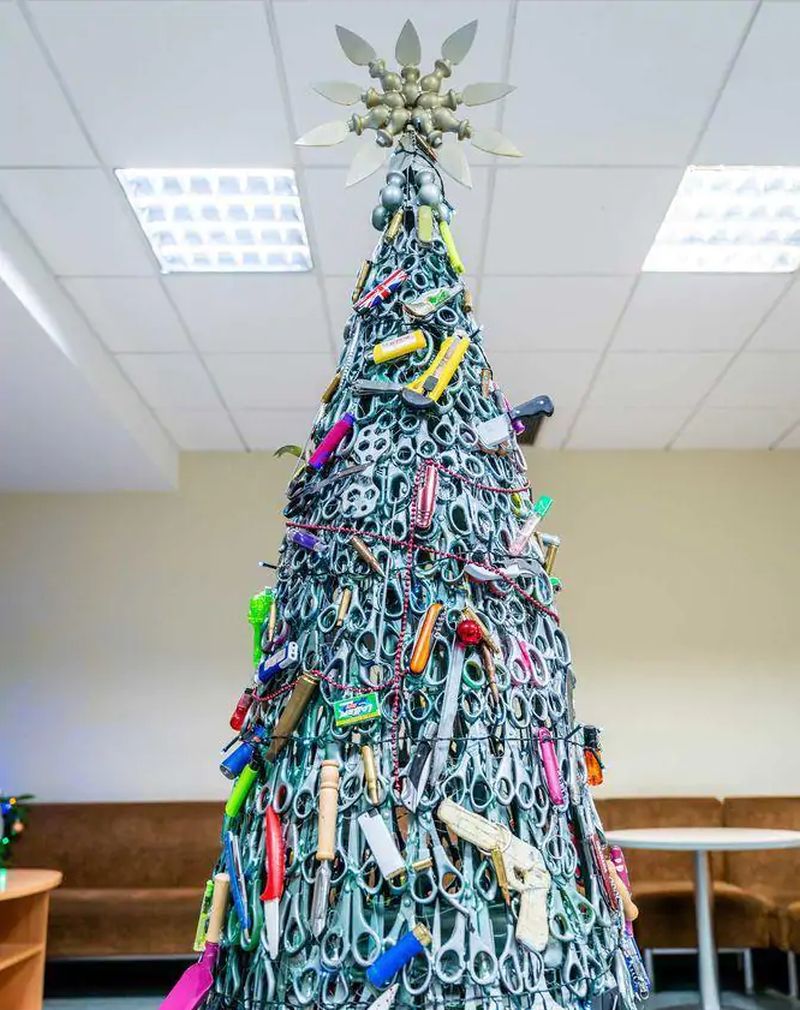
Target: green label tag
<point>542,506</point>
<point>362,708</point>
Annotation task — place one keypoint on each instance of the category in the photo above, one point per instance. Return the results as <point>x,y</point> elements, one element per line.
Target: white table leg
<point>706,948</point>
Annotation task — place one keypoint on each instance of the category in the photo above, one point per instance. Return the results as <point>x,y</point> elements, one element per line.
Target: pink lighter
<point>549,759</point>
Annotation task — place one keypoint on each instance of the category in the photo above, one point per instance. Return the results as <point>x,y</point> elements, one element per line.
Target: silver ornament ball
<point>429,194</point>
<point>423,176</point>
<point>391,197</point>
<point>394,178</point>
<point>445,212</point>
<point>380,217</point>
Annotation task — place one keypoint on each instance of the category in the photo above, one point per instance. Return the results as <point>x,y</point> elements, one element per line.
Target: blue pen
<point>233,861</point>
<point>393,959</point>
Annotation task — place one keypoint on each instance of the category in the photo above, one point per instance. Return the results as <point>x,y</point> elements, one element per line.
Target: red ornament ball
<point>469,632</point>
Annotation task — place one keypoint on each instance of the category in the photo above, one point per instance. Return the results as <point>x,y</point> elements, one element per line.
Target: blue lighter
<point>392,960</point>
<point>234,763</point>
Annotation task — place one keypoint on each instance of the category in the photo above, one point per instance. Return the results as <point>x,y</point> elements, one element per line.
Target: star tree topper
<point>410,101</point>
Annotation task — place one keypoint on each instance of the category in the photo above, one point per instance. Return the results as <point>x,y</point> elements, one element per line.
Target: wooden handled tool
<point>328,803</point>
<point>192,987</point>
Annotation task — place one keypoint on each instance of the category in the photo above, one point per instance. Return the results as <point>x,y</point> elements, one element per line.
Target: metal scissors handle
<point>510,966</point>
<point>450,960</point>
<point>482,964</point>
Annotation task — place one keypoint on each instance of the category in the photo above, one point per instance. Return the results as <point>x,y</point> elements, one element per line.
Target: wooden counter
<point>24,902</point>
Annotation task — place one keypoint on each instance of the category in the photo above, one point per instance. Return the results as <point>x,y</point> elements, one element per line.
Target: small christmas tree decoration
<point>13,820</point>
<point>410,822</point>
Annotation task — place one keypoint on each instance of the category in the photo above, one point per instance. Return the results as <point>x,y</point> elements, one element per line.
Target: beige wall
<point>124,641</point>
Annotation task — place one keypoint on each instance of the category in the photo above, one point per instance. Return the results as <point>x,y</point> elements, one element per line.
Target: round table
<point>24,900</point>
<point>701,841</point>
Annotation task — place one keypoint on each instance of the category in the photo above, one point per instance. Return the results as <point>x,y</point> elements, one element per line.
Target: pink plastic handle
<point>530,660</point>
<point>426,496</point>
<point>617,857</point>
<point>549,759</point>
<point>337,434</point>
<point>521,659</point>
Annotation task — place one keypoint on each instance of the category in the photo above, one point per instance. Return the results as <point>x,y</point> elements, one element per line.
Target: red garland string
<point>395,681</point>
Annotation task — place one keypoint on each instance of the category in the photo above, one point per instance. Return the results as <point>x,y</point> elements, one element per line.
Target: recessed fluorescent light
<point>731,219</point>
<point>220,220</point>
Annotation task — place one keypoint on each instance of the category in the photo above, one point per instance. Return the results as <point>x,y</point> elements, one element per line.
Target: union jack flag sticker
<point>382,290</point>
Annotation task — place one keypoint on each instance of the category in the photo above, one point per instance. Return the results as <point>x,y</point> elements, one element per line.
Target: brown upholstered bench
<point>663,882</point>
<point>793,929</point>
<point>772,874</point>
<point>133,874</point>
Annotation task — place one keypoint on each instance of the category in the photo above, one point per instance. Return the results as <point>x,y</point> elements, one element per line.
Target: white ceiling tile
<point>736,427</point>
<point>128,313</point>
<point>655,380</point>
<point>36,124</point>
<point>551,313</point>
<point>76,221</point>
<point>170,381</point>
<point>759,379</point>
<point>380,24</point>
<point>201,430</point>
<point>277,381</point>
<point>780,331</point>
<point>68,421</point>
<point>576,220</point>
<point>523,375</point>
<point>338,291</point>
<point>554,429</point>
<point>343,235</point>
<point>755,121</point>
<point>252,312</point>
<point>695,312</point>
<point>615,427</point>
<point>170,82</point>
<point>618,81</point>
<point>270,429</point>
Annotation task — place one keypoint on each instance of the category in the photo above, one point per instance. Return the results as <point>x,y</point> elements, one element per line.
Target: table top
<point>20,883</point>
<point>697,839</point>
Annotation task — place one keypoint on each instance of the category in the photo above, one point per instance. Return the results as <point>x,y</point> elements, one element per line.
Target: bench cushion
<point>667,916</point>
<point>792,919</point>
<point>124,845</point>
<point>102,922</point>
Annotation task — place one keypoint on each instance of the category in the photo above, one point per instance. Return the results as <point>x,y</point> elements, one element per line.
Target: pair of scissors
<point>571,916</point>
<point>526,664</point>
<point>449,879</point>
<point>449,959</point>
<point>512,783</point>
<point>305,798</point>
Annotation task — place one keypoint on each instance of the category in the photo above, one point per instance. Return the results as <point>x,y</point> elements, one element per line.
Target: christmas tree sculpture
<point>411,823</point>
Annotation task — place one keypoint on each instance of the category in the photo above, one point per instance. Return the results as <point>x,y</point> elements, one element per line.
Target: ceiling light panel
<point>227,220</point>
<point>731,219</point>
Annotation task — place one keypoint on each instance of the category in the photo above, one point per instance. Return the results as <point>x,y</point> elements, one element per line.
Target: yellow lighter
<point>450,246</point>
<point>425,224</point>
<point>396,347</point>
